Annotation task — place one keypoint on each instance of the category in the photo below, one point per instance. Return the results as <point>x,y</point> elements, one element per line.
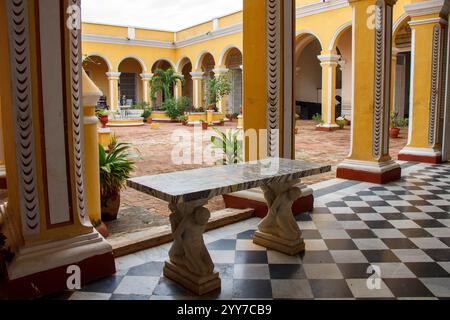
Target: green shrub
<point>317,118</point>
<point>174,108</point>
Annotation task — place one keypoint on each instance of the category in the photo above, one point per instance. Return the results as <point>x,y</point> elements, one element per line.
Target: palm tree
<point>164,81</point>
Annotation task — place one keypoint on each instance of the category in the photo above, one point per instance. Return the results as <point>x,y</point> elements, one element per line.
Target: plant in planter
<point>317,118</point>
<point>115,169</point>
<point>218,87</point>
<point>394,130</point>
<point>164,81</point>
<point>103,117</point>
<point>204,125</point>
<point>183,119</point>
<point>231,145</point>
<point>222,122</point>
<point>341,122</point>
<point>174,108</point>
<point>147,116</point>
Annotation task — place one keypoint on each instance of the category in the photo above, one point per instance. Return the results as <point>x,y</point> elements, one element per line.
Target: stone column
<point>146,78</point>
<point>220,71</point>
<point>429,36</point>
<point>197,79</point>
<point>179,88</point>
<point>369,158</point>
<point>329,64</point>
<point>346,89</point>
<point>47,215</point>
<point>113,99</point>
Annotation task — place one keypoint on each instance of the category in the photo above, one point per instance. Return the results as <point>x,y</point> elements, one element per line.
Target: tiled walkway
<point>401,229</point>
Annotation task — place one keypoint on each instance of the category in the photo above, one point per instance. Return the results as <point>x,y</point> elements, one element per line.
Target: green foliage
<point>163,81</point>
<point>317,118</point>
<point>397,121</point>
<point>146,114</point>
<point>101,113</point>
<point>175,107</point>
<point>115,168</point>
<point>231,146</point>
<point>218,88</point>
<point>140,106</point>
<point>183,118</point>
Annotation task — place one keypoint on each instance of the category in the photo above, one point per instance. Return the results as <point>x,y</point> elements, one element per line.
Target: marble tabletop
<point>206,183</point>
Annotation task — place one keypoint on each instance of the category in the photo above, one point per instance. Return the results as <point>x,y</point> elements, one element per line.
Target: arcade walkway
<point>402,228</point>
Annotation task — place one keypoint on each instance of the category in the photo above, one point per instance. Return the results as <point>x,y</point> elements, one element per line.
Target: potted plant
<point>231,145</point>
<point>102,116</point>
<point>218,87</point>
<point>183,119</point>
<point>204,125</point>
<point>146,115</point>
<point>115,169</point>
<point>222,122</point>
<point>394,130</point>
<point>341,122</point>
<point>317,118</point>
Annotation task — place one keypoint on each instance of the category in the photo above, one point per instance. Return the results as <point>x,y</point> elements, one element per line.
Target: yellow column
<point>146,78</point>
<point>369,158</point>
<point>113,78</point>
<point>329,62</point>
<point>221,71</point>
<point>178,89</point>
<point>429,31</point>
<point>91,94</point>
<point>197,79</point>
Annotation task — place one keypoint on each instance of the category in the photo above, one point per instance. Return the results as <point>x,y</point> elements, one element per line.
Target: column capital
<point>146,76</point>
<point>329,58</point>
<point>423,8</point>
<point>113,75</point>
<point>197,75</point>
<point>220,71</point>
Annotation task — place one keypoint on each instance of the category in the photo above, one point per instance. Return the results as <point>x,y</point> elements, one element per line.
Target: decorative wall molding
<point>382,65</point>
<point>435,84</point>
<point>320,7</point>
<point>273,74</point>
<point>427,7</point>
<point>77,117</point>
<point>18,27</point>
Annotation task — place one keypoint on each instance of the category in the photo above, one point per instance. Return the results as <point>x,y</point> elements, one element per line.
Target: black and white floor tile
<point>402,229</point>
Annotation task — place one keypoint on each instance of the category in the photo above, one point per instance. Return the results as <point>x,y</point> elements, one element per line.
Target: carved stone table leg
<point>190,263</point>
<point>279,230</point>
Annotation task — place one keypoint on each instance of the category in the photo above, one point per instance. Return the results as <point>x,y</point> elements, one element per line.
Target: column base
<point>42,270</point>
<point>254,199</point>
<point>327,127</point>
<point>425,155</point>
<point>366,171</point>
<point>196,284</point>
<point>269,241</point>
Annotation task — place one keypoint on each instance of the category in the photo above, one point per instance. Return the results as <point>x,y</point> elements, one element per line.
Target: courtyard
<point>153,150</point>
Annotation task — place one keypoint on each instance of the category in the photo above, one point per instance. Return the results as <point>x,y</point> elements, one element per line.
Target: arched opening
<point>207,65</point>
<point>402,70</point>
<point>308,76</point>
<point>159,98</point>
<point>130,92</point>
<point>233,62</point>
<point>344,74</point>
<point>185,68</point>
<point>96,68</point>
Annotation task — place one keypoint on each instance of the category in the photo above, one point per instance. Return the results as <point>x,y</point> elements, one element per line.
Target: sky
<point>170,15</point>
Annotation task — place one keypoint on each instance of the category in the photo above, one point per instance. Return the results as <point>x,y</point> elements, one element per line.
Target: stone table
<point>187,192</point>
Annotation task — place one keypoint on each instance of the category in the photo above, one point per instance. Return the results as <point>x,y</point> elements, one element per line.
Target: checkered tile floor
<point>402,229</point>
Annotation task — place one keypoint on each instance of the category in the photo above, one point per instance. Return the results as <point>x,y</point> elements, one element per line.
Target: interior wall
<point>309,74</point>
<point>96,68</point>
<point>345,49</point>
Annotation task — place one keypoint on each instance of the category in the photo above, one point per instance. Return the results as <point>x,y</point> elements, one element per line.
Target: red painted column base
<point>326,129</point>
<point>372,177</point>
<point>55,280</point>
<point>417,158</point>
<point>302,205</point>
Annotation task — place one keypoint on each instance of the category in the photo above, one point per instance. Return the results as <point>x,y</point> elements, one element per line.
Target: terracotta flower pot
<point>204,126</point>
<point>394,132</point>
<point>110,207</point>
<point>104,120</point>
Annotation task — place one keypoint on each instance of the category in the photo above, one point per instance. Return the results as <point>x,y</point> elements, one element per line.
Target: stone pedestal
<point>288,247</point>
<point>199,285</point>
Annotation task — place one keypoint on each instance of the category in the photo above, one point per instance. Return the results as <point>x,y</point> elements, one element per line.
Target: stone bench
<point>187,193</point>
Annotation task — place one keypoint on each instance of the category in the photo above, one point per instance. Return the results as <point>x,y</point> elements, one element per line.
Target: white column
<point>217,73</point>
<point>179,88</point>
<point>113,78</point>
<point>146,78</point>
<point>346,88</point>
<point>197,78</point>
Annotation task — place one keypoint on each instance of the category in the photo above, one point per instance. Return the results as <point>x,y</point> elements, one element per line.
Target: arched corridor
<point>185,69</point>
<point>97,68</point>
<point>233,63</point>
<point>131,89</point>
